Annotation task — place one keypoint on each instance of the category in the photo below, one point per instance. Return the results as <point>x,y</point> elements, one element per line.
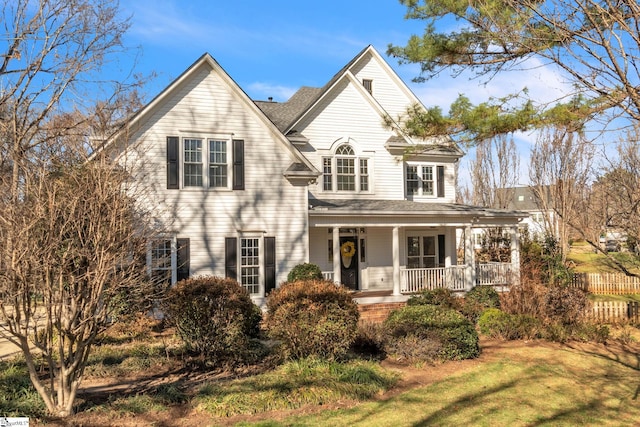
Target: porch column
<point>396,260</point>
<point>451,244</point>
<point>337,276</point>
<point>469,258</point>
<point>515,254</point>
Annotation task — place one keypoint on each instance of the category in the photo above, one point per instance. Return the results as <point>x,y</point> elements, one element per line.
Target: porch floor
<point>377,297</point>
<point>362,294</point>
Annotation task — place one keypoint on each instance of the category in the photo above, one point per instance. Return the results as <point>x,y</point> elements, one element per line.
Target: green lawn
<point>624,298</point>
<point>591,262</point>
<point>536,385</point>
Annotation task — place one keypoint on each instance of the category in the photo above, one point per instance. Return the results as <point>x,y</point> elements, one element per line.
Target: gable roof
<point>302,165</point>
<point>287,114</point>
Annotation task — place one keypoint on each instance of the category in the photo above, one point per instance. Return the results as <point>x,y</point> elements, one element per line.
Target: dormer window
<point>368,85</point>
<point>345,172</point>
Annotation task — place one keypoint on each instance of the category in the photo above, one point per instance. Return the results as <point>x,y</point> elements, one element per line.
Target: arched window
<point>345,171</point>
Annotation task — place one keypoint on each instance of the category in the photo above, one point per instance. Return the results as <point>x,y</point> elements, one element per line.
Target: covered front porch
<point>402,247</point>
<point>413,280</point>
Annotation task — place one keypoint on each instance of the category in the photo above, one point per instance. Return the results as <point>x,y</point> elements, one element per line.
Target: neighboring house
<point>249,189</point>
<point>538,222</point>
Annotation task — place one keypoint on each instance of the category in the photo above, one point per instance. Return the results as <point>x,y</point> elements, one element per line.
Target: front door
<point>349,261</point>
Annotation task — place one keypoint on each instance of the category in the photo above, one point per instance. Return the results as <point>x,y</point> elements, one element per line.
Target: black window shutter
<point>269,264</point>
<point>183,259</point>
<point>440,181</point>
<point>441,250</point>
<point>238,164</point>
<point>231,258</point>
<point>172,162</point>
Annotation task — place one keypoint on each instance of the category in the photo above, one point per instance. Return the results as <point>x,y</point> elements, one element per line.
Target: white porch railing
<point>456,278</point>
<point>494,273</point>
<point>419,279</point>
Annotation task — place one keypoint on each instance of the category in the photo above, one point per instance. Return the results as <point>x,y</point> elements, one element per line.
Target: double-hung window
<point>218,165</point>
<point>168,260</point>
<point>419,180</point>
<point>160,265</point>
<point>424,180</point>
<point>204,162</point>
<point>192,162</point>
<point>251,260</point>
<point>250,264</point>
<point>345,172</point>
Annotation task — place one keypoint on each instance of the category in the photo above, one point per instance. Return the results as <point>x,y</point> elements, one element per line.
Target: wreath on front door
<point>348,249</point>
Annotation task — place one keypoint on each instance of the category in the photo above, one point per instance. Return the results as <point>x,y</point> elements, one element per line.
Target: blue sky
<point>271,48</point>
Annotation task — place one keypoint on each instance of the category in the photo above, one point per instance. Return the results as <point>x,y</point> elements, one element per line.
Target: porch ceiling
<point>368,212</point>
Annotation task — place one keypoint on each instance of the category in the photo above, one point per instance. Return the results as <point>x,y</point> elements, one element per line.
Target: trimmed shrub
<point>478,300</point>
<point>440,296</point>
<point>566,304</point>
<point>451,334</point>
<point>215,318</point>
<point>495,323</point>
<point>304,271</point>
<point>312,318</point>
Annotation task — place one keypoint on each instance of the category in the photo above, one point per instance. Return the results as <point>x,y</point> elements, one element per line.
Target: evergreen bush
<point>439,296</point>
<point>306,271</point>
<point>479,299</point>
<point>495,323</point>
<point>215,318</point>
<point>312,318</point>
<point>449,332</point>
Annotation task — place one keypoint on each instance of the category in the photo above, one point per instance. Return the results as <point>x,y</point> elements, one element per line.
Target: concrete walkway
<point>8,350</point>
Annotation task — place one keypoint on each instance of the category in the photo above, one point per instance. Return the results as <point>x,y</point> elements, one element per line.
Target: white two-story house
<point>249,189</point>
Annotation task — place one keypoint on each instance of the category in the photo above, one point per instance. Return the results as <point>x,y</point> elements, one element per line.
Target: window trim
<point>235,262</point>
<point>437,181</point>
<point>330,169</point>
<point>174,250</point>
<point>176,156</point>
<point>259,286</point>
<point>436,250</point>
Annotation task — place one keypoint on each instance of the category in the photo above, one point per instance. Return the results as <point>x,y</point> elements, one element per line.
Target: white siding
<point>393,99</point>
<point>346,116</point>
<point>269,206</point>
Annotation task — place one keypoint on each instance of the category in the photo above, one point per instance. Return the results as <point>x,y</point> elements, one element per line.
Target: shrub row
<point>219,323</point>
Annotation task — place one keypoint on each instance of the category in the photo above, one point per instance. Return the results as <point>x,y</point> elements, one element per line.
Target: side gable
<point>189,79</point>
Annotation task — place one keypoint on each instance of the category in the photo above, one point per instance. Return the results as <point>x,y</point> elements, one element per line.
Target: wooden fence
<point>607,283</point>
<point>616,312</point>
